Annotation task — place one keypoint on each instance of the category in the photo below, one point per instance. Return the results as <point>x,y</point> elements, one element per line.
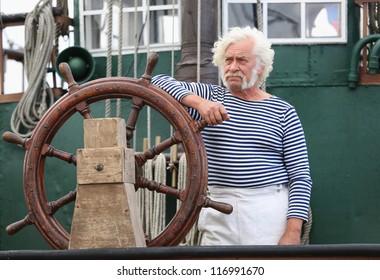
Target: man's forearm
<point>192,101</point>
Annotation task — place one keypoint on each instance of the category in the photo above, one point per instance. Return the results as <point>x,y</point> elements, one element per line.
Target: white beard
<point>245,84</point>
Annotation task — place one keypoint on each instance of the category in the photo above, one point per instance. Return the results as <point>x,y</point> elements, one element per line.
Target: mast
<point>186,69</point>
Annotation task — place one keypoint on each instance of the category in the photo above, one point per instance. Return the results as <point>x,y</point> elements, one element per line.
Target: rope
<point>181,175</point>
<point>120,54</point>
<point>219,30</point>
<point>136,46</point>
<point>148,109</point>
<point>172,50</point>
<point>259,15</point>
<point>146,199</point>
<point>152,204</point>
<point>260,26</point>
<point>38,97</point>
<point>192,238</point>
<point>174,148</point>
<point>136,42</point>
<point>306,229</point>
<point>159,205</point>
<point>109,53</point>
<point>199,42</point>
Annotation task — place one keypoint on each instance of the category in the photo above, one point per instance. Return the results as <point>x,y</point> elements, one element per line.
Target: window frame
<point>303,39</point>
<point>144,9</point>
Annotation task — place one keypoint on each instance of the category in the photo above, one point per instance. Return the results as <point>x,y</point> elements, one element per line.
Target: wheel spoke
<point>84,110</point>
<point>137,104</point>
<point>205,201</point>
<point>13,138</point>
<point>142,158</point>
<point>199,125</point>
<point>53,206</point>
<point>17,226</point>
<point>50,151</point>
<point>144,183</point>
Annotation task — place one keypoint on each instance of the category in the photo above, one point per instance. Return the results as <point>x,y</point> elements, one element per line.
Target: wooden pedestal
<point>106,213</point>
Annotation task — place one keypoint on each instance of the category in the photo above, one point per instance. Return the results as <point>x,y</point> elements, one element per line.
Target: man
<point>257,155</point>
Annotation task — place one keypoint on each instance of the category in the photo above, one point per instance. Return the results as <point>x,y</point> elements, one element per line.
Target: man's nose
<point>234,66</point>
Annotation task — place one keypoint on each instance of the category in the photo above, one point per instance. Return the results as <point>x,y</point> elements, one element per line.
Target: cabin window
<point>145,24</point>
<point>290,21</point>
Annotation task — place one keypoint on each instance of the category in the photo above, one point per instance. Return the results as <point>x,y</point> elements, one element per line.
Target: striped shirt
<point>262,143</point>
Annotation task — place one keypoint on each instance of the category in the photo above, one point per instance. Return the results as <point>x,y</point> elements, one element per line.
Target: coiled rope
<point>152,204</point>
<point>306,229</point>
<point>38,97</point>
<point>145,198</point>
<point>158,203</point>
<point>193,237</point>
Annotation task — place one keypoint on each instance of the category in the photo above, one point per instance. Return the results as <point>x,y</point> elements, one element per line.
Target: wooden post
<point>106,213</point>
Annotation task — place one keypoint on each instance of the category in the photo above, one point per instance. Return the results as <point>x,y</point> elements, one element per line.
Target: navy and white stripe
<point>261,144</point>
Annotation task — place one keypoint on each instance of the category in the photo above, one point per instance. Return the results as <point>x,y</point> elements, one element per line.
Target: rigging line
<point>148,109</point>
<point>120,64</point>
<point>109,53</point>
<point>260,26</point>
<point>199,42</point>
<point>120,57</point>
<point>136,41</point>
<point>259,15</point>
<point>174,147</point>
<point>136,49</point>
<point>172,51</point>
<point>219,31</point>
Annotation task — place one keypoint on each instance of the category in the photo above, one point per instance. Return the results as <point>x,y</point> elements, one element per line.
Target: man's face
<point>239,71</point>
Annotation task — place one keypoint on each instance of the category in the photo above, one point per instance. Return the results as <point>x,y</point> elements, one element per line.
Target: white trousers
<point>258,217</point>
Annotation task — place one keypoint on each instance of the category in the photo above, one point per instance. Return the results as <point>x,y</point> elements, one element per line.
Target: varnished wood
<point>142,93</point>
<point>17,226</point>
<point>55,205</point>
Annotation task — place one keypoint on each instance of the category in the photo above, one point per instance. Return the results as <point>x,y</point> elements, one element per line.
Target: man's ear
<point>260,69</point>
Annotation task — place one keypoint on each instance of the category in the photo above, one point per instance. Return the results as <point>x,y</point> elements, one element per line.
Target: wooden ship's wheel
<point>141,93</point>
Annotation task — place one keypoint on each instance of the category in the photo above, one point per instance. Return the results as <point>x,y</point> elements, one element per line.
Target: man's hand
<point>292,234</point>
<point>213,112</point>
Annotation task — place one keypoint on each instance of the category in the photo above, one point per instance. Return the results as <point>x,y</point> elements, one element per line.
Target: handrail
<point>374,56</point>
<point>353,75</point>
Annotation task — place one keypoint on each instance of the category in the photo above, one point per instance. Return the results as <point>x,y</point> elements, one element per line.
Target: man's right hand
<point>213,112</point>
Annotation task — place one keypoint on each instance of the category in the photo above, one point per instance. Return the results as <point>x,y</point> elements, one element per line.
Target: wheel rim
<point>89,93</point>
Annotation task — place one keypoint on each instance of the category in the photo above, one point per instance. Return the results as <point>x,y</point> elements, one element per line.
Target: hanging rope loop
<point>38,97</point>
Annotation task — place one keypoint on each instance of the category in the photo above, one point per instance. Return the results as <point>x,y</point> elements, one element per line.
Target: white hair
<point>261,48</point>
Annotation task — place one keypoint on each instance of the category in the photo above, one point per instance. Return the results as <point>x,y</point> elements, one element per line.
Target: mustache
<point>234,74</point>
